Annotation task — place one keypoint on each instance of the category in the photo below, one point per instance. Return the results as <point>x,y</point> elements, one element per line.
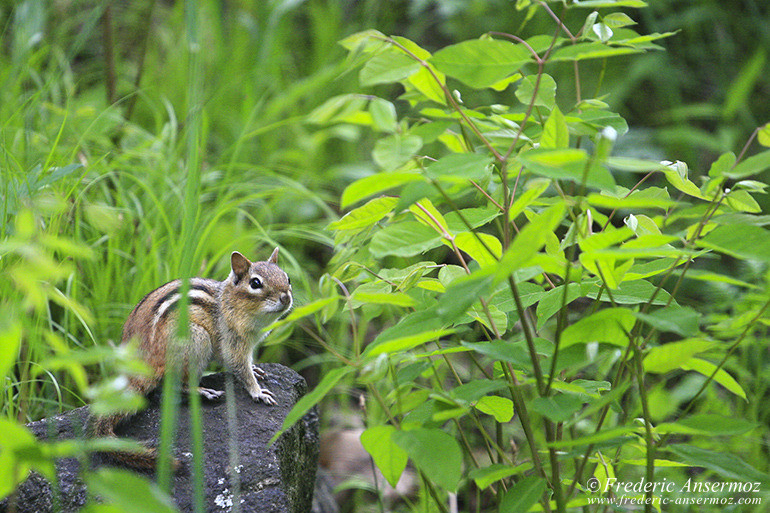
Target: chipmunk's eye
<point>288,278</point>
<point>255,283</point>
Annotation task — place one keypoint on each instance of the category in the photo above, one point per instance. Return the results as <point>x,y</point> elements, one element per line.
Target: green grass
<point>111,208</point>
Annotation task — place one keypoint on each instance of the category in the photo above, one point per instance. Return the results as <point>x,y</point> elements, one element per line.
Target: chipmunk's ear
<point>274,257</point>
<point>240,265</point>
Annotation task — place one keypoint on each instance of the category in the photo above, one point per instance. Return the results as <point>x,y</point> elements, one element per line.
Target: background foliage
<point>256,128</point>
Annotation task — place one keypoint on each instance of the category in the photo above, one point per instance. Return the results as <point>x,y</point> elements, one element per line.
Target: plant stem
<point>648,437</point>
<point>109,55</point>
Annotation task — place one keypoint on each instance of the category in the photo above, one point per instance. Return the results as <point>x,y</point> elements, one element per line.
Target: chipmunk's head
<point>260,289</point>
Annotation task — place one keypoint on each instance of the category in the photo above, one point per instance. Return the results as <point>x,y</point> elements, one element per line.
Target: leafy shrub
<point>537,338</point>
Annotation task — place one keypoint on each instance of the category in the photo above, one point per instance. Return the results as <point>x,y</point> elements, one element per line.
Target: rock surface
<point>271,479</point>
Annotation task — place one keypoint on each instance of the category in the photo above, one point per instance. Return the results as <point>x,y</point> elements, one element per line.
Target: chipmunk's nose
<point>285,299</point>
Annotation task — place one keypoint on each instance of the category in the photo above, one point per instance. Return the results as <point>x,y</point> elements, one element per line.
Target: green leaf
<point>672,356</point>
<point>415,322</point>
<point>481,63</point>
<point>721,376</point>
<point>375,184</point>
<point>605,238</point>
<point>389,298</point>
<point>344,108</point>
<point>529,241</point>
<point>676,174</point>
<point>367,41</point>
<point>754,186</point>
<point>13,470</point>
<point>727,465</point>
<point>309,400</point>
<point>384,116</point>
<point>389,457</point>
<point>592,50</point>
<point>462,293</point>
<point>129,491</point>
<point>305,310</point>
<point>427,213</point>
<point>459,167</point>
<point>551,301</point>
<point>429,131</point>
<point>415,192</point>
<point>591,122</point>
<point>468,243</point>
<point>365,216</point>
<point>741,88</point>
<point>608,326</point>
<point>395,150</point>
<point>514,352</point>
<point>652,197</point>
<point>722,165</point>
<point>610,268</point>
<point>500,408</point>
<point>523,495</point>
<point>589,387</point>
<point>558,408</point>
<point>632,293</point>
<point>697,274</point>
<point>10,341</point>
<point>387,67</point>
<point>566,164</point>
<point>529,294</point>
<point>753,165</point>
<point>618,20</point>
<point>708,424</point>
<point>425,83</point>
<point>473,391</point>
<point>485,476</point>
<point>534,189</point>
<point>633,165</point>
<point>474,216</point>
<point>739,240</point>
<point>546,91</point>
<point>435,453</point>
<point>763,136</point>
<point>601,436</point>
<point>428,80</point>
<point>405,343</point>
<point>598,4</point>
<point>404,239</point>
<point>742,201</point>
<point>602,31</point>
<point>555,131</point>
<point>681,320</point>
<point>498,318</point>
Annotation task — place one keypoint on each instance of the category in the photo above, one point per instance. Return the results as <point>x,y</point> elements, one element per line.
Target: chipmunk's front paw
<point>264,395</point>
<point>258,372</point>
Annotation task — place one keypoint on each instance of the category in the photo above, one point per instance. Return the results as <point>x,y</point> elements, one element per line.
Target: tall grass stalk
<point>188,243</point>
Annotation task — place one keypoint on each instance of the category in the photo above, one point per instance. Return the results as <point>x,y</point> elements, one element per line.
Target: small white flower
<point>678,166</point>
<point>609,133</point>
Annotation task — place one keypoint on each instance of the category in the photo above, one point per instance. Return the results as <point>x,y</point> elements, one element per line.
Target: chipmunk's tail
<point>145,458</point>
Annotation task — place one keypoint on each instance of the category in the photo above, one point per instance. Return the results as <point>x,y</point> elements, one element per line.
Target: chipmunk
<point>226,322</point>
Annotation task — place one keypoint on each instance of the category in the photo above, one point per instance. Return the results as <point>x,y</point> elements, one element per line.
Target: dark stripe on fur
<point>209,306</point>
